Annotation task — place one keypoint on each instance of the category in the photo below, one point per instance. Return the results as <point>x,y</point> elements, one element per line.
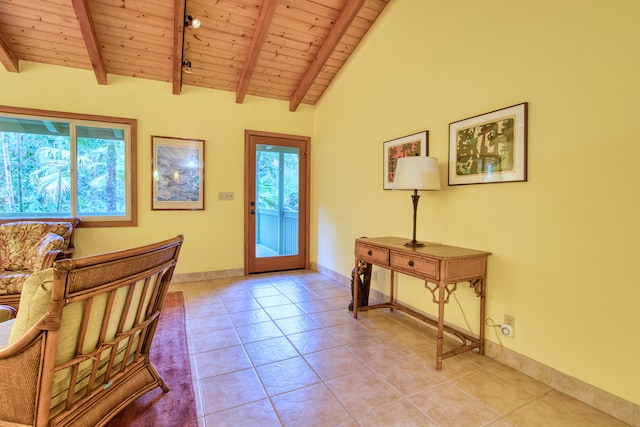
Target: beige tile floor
<point>283,350</point>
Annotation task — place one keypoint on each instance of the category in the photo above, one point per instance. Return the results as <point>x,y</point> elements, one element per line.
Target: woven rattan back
<point>107,308</point>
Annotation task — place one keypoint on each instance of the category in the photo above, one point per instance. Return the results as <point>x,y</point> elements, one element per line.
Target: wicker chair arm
<point>7,312</point>
<point>20,370</point>
<point>45,253</point>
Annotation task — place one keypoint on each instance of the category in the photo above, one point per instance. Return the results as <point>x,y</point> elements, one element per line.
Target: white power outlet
<point>374,275</point>
<point>508,327</point>
<point>507,330</point>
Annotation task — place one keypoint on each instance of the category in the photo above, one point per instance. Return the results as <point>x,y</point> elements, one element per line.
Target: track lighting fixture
<point>195,23</point>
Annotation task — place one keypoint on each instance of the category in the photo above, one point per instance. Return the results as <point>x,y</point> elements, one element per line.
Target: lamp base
<point>414,244</point>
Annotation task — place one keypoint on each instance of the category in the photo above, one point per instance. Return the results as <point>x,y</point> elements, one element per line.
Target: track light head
<point>195,23</point>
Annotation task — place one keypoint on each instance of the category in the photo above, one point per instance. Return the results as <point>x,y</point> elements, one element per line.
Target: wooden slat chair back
<point>88,356</point>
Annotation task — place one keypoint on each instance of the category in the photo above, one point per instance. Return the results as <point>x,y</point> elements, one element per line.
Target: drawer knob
<point>410,263</point>
<point>369,252</point>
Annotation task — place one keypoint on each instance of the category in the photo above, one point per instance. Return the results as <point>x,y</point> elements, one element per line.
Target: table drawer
<point>372,254</point>
<point>415,265</point>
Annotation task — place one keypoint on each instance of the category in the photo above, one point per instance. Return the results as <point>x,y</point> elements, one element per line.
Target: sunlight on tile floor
<point>283,350</point>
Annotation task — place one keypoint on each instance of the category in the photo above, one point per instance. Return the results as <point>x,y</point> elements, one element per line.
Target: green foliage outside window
<point>276,169</point>
<point>46,172</point>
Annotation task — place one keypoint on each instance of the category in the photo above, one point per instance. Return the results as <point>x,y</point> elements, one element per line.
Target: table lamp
<point>416,173</point>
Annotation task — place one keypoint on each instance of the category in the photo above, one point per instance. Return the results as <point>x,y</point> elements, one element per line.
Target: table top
<point>437,250</point>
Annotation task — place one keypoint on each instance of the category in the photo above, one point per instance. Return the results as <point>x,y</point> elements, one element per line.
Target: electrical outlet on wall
<point>509,320</point>
<point>374,275</point>
<point>508,327</point>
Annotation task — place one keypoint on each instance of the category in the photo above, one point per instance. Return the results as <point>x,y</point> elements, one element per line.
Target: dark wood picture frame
<point>490,147</point>
<point>416,144</point>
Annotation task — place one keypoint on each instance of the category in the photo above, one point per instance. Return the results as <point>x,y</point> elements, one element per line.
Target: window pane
<point>35,174</point>
<point>101,172</point>
<point>62,165</point>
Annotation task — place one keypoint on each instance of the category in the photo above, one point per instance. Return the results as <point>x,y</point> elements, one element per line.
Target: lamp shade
<point>416,173</point>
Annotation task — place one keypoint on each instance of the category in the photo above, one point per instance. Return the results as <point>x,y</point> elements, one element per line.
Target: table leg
<point>482,314</point>
<point>391,287</point>
<point>440,335</point>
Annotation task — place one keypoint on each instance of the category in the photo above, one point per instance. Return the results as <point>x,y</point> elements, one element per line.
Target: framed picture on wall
<point>491,147</point>
<point>416,144</point>
<point>178,173</point>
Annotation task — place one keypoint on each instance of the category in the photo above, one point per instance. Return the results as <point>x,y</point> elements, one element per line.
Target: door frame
<point>303,203</point>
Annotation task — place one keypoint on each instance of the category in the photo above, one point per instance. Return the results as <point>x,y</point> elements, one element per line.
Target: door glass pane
<point>277,173</point>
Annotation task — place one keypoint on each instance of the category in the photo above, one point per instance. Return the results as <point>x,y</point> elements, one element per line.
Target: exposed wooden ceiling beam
<point>88,31</point>
<point>7,55</point>
<point>262,26</point>
<point>178,44</point>
<point>348,14</point>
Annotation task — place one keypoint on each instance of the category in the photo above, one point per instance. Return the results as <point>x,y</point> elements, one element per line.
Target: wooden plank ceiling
<point>281,49</point>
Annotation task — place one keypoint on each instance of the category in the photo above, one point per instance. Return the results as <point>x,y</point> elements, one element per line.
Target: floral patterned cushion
<point>19,240</point>
<point>23,249</point>
<point>11,281</point>
<point>34,259</point>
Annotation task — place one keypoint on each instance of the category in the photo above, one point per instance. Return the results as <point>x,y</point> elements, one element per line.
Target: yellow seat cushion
<point>35,300</point>
<point>34,303</point>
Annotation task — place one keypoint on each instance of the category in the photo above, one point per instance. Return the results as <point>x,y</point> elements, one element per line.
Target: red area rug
<point>170,357</point>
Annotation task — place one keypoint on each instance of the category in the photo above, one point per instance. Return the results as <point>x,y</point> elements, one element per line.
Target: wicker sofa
<point>78,350</point>
<point>29,246</point>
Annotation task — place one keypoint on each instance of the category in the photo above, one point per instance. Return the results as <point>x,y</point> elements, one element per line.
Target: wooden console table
<point>442,267</point>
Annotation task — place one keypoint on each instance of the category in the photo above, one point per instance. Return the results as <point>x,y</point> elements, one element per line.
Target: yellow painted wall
<point>565,243</point>
<point>213,237</point>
